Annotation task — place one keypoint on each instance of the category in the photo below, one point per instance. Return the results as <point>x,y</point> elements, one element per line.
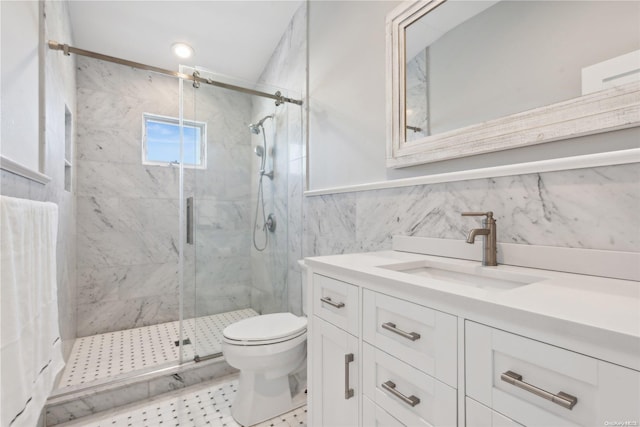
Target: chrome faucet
<point>489,247</point>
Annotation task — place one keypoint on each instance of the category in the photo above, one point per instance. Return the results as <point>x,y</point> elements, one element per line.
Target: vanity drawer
<point>336,302</point>
<point>422,337</point>
<point>508,373</point>
<point>479,415</point>
<point>411,396</point>
<point>375,416</point>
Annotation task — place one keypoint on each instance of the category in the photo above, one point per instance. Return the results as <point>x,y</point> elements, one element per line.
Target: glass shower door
<point>237,265</point>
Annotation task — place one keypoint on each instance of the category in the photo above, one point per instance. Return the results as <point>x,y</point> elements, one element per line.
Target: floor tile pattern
<point>206,405</point>
<point>106,355</point>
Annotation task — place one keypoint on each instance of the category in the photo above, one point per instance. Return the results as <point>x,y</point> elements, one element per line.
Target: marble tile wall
<point>594,208</point>
<point>276,275</point>
<point>59,92</point>
<point>128,213</point>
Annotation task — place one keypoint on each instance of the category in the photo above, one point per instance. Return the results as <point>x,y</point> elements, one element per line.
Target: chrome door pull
<point>563,399</point>
<point>348,392</point>
<point>390,386</point>
<point>408,335</point>
<point>190,220</point>
<point>331,303</point>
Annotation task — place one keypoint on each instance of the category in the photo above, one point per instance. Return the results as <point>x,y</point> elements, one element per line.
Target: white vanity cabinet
<point>335,360</point>
<point>399,360</point>
<point>417,352</point>
<point>409,355</point>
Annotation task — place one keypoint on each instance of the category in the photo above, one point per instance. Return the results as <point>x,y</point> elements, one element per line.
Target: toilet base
<point>259,399</point>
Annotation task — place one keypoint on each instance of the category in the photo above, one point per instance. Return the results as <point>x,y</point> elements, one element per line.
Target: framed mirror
<point>474,77</point>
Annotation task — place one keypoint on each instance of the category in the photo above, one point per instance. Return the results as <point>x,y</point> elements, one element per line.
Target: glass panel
<point>128,228</point>
<point>237,266</point>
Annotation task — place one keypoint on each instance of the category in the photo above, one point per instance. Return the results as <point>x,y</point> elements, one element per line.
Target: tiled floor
<point>107,355</point>
<point>204,405</point>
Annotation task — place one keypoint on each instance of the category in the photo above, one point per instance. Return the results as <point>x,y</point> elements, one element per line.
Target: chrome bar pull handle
<point>348,391</point>
<point>190,220</point>
<point>563,399</point>
<point>390,386</point>
<point>487,214</point>
<point>413,336</point>
<point>329,301</point>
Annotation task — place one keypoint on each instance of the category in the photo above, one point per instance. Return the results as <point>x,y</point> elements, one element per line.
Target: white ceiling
<point>234,37</point>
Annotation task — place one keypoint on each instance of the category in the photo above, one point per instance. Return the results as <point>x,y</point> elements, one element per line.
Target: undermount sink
<point>489,278</point>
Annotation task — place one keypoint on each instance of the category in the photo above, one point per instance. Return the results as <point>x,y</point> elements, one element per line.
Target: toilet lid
<point>265,327</point>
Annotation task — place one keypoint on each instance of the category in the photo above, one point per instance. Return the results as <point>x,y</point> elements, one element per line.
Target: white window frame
<point>202,126</point>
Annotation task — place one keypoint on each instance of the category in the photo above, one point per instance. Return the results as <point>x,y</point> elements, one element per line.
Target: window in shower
<point>161,142</point>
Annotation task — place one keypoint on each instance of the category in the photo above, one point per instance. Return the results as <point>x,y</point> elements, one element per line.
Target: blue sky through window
<point>163,142</point>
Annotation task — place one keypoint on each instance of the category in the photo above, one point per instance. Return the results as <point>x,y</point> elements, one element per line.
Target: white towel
<point>30,344</point>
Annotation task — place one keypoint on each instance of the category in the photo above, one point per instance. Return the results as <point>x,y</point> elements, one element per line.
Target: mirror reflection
<point>472,61</point>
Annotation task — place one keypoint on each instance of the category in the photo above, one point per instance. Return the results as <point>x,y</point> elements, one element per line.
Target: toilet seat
<point>265,329</point>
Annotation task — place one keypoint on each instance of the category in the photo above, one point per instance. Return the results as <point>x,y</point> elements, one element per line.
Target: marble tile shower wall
<point>269,267</point>
<point>59,92</point>
<point>128,230</point>
<point>277,278</point>
<point>594,208</point>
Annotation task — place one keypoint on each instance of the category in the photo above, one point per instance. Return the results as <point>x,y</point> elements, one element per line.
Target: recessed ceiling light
<point>182,50</point>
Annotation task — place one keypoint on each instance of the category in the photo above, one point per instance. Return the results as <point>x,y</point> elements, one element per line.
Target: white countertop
<point>593,315</point>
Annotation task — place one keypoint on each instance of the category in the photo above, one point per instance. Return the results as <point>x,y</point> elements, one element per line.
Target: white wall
<point>20,141</point>
<point>60,96</point>
<point>347,119</point>
<point>347,92</point>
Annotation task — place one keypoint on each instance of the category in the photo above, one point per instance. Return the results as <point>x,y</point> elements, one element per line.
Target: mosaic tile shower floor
<point>111,354</point>
<point>204,405</point>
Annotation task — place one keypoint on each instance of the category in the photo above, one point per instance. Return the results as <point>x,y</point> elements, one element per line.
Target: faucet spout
<point>471,238</point>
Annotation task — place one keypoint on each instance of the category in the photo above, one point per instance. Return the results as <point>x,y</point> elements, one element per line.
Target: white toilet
<point>266,349</point>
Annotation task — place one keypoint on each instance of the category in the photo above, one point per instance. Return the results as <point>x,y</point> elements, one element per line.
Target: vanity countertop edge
<point>595,316</point>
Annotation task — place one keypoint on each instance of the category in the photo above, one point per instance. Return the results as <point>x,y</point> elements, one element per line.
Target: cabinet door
<point>336,302</point>
<point>479,415</point>
<point>408,394</point>
<point>537,384</point>
<point>420,336</point>
<point>375,416</point>
<point>335,366</point>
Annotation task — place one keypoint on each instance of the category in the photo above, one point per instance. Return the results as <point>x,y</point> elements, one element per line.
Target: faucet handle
<point>487,214</point>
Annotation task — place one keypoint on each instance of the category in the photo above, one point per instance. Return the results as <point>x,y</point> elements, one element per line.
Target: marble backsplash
<point>594,208</point>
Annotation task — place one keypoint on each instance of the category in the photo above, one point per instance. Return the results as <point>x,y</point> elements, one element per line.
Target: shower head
<point>255,127</point>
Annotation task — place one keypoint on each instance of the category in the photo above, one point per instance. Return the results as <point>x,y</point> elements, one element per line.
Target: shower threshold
<point>102,358</point>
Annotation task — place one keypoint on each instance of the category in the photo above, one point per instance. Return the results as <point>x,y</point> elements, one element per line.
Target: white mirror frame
<point>602,111</point>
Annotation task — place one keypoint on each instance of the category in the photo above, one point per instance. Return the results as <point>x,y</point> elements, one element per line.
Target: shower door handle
<point>190,220</point>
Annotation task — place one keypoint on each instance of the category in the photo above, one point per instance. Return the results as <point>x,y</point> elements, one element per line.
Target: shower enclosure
<point>182,217</point>
<point>237,260</point>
